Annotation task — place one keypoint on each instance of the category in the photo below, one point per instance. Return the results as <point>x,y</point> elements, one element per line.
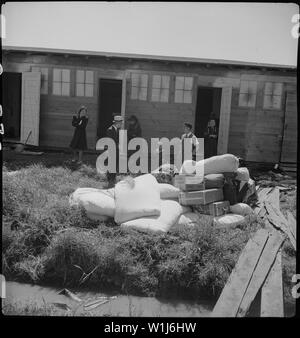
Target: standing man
<point>187,128</point>
<point>113,133</point>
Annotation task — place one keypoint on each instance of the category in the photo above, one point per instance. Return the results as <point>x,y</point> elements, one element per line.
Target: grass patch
<point>48,242</point>
<point>11,308</point>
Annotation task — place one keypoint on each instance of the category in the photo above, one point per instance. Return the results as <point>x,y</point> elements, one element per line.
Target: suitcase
<point>189,182</point>
<point>214,209</point>
<point>200,197</point>
<point>212,181</point>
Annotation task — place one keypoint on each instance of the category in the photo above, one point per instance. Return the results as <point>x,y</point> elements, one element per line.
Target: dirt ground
<point>15,161</point>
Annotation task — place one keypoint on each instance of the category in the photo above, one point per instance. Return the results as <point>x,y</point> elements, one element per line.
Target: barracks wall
<point>255,133</point>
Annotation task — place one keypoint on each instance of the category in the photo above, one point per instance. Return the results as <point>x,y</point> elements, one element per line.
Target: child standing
<point>187,128</point>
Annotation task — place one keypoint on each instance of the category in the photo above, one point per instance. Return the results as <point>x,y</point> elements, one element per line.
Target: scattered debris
<point>85,276</point>
<point>69,294</point>
<point>95,303</point>
<point>269,210</point>
<point>272,179</point>
<point>27,152</point>
<point>62,306</point>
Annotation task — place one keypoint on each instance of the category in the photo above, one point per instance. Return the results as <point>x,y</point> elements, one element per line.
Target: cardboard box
<point>202,197</point>
<point>214,209</point>
<point>189,182</point>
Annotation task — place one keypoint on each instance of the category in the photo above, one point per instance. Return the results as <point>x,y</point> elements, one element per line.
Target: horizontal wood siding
<point>289,144</point>
<point>56,128</point>
<point>159,120</point>
<point>254,133</point>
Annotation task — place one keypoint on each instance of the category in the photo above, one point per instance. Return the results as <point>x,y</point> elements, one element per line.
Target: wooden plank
<point>272,291</point>
<point>267,195</point>
<point>235,288</point>
<point>30,108</point>
<point>224,120</point>
<point>261,194</point>
<point>266,260</point>
<point>273,197</point>
<point>269,78</point>
<point>292,169</point>
<point>278,220</point>
<point>292,224</point>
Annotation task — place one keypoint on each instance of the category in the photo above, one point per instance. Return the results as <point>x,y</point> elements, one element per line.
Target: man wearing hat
<point>113,133</point>
<point>113,130</point>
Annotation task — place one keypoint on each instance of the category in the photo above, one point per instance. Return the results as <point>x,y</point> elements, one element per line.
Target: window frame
<point>61,70</point>
<point>184,89</point>
<point>85,83</point>
<point>253,82</point>
<point>273,84</point>
<point>161,88</point>
<point>139,87</point>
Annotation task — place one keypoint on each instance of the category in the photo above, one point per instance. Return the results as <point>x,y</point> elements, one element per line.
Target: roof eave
<point>147,57</point>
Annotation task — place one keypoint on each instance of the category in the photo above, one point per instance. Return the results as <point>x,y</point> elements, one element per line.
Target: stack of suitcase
<point>194,193</point>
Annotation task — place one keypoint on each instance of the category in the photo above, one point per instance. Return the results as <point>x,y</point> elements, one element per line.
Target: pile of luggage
<point>224,190</point>
<point>145,204</point>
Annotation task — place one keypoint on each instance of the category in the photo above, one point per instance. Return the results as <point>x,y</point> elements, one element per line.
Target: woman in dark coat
<point>79,143</point>
<point>134,128</point>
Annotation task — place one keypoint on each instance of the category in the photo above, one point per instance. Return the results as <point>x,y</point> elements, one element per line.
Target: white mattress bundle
<point>145,204</point>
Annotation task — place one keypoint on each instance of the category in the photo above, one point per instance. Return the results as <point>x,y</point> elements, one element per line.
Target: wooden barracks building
<point>255,104</point>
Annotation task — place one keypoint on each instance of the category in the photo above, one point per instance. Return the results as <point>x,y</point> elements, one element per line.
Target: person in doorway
<point>113,133</point>
<point>211,137</point>
<point>79,143</point>
<point>134,128</point>
<point>188,133</point>
<point>133,131</point>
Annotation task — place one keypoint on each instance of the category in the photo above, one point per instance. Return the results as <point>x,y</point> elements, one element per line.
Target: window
<point>183,89</point>
<point>61,82</point>
<point>247,97</point>
<point>160,88</point>
<point>84,83</point>
<point>44,78</point>
<point>139,86</point>
<point>272,95</point>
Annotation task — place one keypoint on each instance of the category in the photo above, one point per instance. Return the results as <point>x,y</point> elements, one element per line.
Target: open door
<point>30,108</point>
<point>224,120</point>
<point>110,103</point>
<point>208,105</point>
<point>11,101</point>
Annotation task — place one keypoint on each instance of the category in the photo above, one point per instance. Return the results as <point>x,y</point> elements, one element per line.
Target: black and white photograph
<point>149,161</point>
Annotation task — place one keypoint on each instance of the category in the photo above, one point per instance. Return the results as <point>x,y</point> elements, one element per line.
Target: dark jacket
<point>134,131</point>
<point>113,133</point>
<point>79,138</point>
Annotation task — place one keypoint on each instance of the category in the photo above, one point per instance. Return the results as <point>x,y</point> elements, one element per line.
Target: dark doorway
<point>208,103</point>
<point>11,103</point>
<point>110,101</point>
